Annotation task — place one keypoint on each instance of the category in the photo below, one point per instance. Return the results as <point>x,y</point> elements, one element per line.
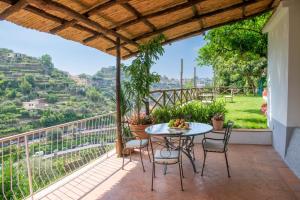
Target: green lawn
<point>245,112</point>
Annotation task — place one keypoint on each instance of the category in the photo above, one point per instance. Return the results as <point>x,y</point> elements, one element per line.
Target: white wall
<point>284,81</point>
<point>293,118</point>
<point>278,48</point>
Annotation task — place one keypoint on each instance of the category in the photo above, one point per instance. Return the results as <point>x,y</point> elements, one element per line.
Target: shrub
<point>193,111</point>
<point>52,98</point>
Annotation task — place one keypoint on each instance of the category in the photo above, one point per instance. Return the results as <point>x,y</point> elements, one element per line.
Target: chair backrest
<point>170,142</point>
<point>227,134</point>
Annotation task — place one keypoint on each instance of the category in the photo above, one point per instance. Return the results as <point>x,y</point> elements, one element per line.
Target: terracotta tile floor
<point>257,172</point>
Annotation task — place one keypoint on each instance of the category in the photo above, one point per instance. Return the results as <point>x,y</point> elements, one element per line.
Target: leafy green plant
<point>140,77</point>
<point>194,111</point>
<point>217,107</point>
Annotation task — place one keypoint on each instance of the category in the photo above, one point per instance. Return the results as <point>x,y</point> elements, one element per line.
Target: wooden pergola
<point>117,27</point>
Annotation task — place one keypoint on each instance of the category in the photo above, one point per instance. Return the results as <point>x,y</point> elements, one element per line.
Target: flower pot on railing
<point>218,122</point>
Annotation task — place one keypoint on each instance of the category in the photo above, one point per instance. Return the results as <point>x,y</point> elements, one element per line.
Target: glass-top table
<point>195,129</point>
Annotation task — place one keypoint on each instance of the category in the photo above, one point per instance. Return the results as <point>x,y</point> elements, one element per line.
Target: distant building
<point>35,104</point>
<point>80,80</point>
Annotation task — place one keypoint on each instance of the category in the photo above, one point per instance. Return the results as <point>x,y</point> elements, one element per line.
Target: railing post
<point>164,98</point>
<point>174,94</point>
<point>28,167</point>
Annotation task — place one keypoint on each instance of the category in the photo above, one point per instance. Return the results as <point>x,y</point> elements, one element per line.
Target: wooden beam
<point>63,26</point>
<point>132,10</point>
<point>43,14</point>
<point>195,12</point>
<point>51,5</point>
<point>193,19</point>
<point>13,9</point>
<point>61,21</point>
<point>118,99</point>
<point>102,6</point>
<point>184,36</point>
<point>158,13</point>
<point>94,37</point>
<point>200,31</point>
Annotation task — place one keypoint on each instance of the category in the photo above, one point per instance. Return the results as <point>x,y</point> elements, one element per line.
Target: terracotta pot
<point>217,124</point>
<point>139,131</point>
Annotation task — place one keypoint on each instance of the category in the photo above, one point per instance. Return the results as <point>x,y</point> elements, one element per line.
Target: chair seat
<point>166,157</point>
<point>136,143</point>
<point>214,146</point>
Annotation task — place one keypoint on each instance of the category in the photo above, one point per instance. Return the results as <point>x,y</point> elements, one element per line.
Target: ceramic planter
<point>139,131</point>
<point>217,124</point>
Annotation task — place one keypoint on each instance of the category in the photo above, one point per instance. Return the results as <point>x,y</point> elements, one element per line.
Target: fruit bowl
<point>179,124</point>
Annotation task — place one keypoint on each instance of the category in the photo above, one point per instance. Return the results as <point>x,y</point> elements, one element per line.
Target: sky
<point>76,58</point>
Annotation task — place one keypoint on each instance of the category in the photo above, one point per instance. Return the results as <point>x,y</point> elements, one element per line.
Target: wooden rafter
<point>51,5</point>
<point>102,6</point>
<point>132,10</point>
<point>195,12</point>
<point>61,21</point>
<point>181,37</point>
<point>158,13</point>
<point>198,17</point>
<point>202,30</point>
<point>12,9</point>
<point>63,26</point>
<point>98,7</point>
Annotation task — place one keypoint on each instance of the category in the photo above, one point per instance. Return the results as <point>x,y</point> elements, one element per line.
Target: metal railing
<point>31,161</point>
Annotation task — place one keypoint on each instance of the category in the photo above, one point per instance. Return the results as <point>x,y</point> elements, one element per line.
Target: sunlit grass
<point>245,112</point>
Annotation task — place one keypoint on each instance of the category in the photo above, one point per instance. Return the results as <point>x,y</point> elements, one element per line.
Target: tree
<point>236,52</point>
<point>140,77</point>
<point>52,98</point>
<point>25,86</point>
<point>46,61</point>
<point>93,94</point>
<point>30,78</point>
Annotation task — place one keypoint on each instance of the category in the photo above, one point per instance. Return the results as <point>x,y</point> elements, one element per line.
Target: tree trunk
<point>118,100</point>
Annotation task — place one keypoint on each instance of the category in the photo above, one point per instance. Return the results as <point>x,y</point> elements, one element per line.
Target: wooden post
<point>195,78</point>
<point>119,147</point>
<point>181,80</point>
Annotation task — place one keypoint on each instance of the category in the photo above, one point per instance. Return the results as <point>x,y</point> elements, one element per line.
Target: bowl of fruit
<point>179,124</point>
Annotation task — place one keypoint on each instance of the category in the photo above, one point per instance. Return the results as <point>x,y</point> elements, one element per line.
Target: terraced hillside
<point>33,94</point>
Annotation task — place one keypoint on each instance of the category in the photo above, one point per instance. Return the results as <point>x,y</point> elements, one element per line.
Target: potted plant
<point>218,121</point>
<point>139,80</point>
<point>138,124</point>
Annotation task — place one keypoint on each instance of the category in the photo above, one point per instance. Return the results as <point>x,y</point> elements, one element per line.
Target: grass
<point>245,112</point>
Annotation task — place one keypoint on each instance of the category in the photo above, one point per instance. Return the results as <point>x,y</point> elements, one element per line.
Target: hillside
<point>34,94</point>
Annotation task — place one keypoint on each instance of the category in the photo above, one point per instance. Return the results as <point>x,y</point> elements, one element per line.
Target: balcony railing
<point>31,161</point>
<point>171,97</point>
<point>161,98</point>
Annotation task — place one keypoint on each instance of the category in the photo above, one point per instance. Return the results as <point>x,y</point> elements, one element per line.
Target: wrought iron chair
<point>131,142</point>
<point>217,145</point>
<point>168,154</point>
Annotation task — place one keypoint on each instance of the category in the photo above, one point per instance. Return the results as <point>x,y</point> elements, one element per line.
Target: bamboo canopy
<point>98,23</point>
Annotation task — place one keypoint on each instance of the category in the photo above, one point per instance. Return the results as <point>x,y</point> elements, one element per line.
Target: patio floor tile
<point>257,173</point>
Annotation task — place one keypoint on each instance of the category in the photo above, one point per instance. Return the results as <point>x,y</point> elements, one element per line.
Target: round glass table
<point>195,129</point>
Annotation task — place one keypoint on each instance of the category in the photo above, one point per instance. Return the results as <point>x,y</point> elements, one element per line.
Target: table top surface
<point>164,129</point>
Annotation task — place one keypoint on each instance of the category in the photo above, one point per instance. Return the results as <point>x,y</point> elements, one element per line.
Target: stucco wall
<point>293,118</point>
<point>284,83</point>
<point>278,50</point>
